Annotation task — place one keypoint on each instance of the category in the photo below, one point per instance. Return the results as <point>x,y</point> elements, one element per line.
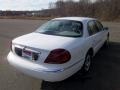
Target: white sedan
<point>59,48</point>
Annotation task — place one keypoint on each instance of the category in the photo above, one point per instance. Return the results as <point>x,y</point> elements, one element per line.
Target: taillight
<point>58,56</point>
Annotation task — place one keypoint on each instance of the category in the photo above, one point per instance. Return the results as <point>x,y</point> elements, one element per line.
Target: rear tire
<point>87,63</point>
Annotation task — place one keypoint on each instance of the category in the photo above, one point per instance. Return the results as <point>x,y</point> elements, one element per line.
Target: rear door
<point>94,35</point>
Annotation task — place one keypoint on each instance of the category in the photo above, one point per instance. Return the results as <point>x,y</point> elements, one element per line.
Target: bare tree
<point>102,9</point>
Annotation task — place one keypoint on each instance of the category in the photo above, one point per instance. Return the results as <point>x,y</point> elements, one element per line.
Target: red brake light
<point>58,56</point>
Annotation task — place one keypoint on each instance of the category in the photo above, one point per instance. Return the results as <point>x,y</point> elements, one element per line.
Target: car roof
<point>75,18</point>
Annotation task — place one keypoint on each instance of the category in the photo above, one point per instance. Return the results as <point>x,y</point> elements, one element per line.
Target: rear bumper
<point>41,71</point>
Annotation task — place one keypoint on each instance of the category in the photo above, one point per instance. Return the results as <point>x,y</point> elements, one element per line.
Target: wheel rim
<point>87,62</point>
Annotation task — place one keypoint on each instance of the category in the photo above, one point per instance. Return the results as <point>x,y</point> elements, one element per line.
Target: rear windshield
<point>67,28</point>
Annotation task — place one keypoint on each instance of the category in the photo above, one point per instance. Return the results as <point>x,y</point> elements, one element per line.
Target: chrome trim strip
<point>28,47</point>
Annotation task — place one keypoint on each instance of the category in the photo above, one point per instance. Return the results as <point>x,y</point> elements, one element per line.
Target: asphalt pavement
<point>104,73</point>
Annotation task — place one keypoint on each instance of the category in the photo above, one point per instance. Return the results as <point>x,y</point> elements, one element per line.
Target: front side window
<point>99,25</point>
<point>68,28</point>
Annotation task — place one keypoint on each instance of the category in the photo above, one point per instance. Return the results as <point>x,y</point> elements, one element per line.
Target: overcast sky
<point>24,4</point>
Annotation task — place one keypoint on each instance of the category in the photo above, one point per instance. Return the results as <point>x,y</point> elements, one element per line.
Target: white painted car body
<point>77,46</point>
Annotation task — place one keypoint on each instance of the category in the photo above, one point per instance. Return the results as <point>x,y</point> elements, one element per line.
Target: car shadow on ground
<point>104,73</point>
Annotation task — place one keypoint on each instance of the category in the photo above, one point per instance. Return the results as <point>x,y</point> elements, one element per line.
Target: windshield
<point>62,28</point>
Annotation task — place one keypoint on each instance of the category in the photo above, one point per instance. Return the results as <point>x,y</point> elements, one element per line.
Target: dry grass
<point>26,17</point>
<point>47,18</point>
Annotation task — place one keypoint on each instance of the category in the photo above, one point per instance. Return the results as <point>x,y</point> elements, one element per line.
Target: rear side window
<point>92,28</point>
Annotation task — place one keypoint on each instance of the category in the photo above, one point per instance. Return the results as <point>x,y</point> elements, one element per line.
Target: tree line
<point>102,9</point>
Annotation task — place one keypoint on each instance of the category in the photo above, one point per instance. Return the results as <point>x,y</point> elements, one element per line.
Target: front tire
<point>107,44</point>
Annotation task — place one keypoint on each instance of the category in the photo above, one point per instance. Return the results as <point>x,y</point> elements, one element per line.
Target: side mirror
<point>105,28</point>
